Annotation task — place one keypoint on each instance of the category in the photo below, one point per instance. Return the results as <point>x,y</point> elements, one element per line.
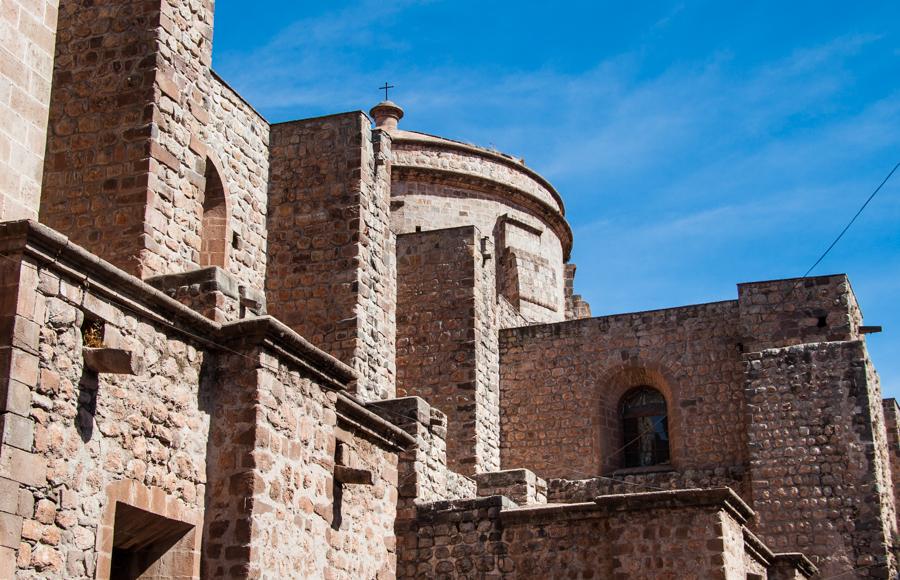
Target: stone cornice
<point>269,333</point>
<point>800,562</point>
<point>361,418</point>
<point>603,506</point>
<point>52,249</point>
<point>433,141</point>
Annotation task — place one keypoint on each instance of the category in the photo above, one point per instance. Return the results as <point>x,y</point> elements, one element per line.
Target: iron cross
<point>385,89</point>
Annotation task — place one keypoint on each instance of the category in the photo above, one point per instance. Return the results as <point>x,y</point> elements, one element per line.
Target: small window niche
<point>214,238</point>
<point>150,546</point>
<point>93,332</point>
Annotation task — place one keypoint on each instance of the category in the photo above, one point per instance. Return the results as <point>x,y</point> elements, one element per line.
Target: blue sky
<point>697,144</point>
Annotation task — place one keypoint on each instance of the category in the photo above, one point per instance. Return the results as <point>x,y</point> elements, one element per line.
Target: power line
<point>840,235</point>
<point>852,221</point>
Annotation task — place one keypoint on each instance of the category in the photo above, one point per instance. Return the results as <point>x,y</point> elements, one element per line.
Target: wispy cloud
<point>688,177</point>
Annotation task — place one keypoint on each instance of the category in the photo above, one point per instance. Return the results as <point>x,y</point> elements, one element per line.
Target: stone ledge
<point>799,562</point>
<point>372,422</point>
<point>50,248</point>
<point>212,279</point>
<point>415,409</point>
<point>605,505</point>
<point>113,361</point>
<point>445,509</point>
<point>575,326</point>
<point>520,485</point>
<point>272,333</point>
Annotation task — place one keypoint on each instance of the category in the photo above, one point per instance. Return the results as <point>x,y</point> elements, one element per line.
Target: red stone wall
<point>818,457</point>
<point>237,140</point>
<point>436,343</point>
<point>892,428</point>
<point>78,433</point>
<point>486,538</point>
<point>289,528</point>
<point>237,434</point>
<point>97,168</point>
<point>331,259</point>
<point>561,387</point>
<point>788,312</point>
<point>28,30</point>
<point>136,115</point>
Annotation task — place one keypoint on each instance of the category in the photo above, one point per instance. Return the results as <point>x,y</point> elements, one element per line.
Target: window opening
<point>645,427</point>
<point>93,332</point>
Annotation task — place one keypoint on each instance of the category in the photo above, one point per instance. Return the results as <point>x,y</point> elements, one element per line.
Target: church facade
<point>338,348</point>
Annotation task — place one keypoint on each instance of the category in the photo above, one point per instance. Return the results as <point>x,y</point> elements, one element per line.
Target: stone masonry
<point>335,348</point>
<point>28,30</point>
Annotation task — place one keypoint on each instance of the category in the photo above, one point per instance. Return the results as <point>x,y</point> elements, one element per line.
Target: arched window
<point>645,426</point>
<point>214,232</point>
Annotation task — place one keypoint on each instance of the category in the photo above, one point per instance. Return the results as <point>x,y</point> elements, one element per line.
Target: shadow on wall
<point>88,388</point>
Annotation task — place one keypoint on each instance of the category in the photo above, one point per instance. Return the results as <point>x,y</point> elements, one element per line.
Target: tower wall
<point>818,446</point>
<point>444,184</point>
<point>447,340</point>
<point>332,265</point>
<point>136,116</point>
<point>821,481</point>
<point>28,30</point>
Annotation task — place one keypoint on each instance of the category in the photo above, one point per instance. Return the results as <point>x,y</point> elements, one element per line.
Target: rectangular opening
<point>93,332</point>
<point>149,546</point>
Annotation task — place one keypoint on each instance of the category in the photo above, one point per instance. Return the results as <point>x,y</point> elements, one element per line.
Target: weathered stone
<point>113,360</point>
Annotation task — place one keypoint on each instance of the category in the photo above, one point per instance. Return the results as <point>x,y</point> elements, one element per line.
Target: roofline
<point>495,155</point>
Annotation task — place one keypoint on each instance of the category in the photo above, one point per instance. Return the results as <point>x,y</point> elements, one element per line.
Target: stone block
<point>19,332</point>
<point>22,466</point>
<point>113,361</point>
<point>10,530</point>
<point>17,431</point>
<point>9,496</point>
<point>19,365</point>
<point>14,396</point>
<point>350,475</point>
<point>397,411</point>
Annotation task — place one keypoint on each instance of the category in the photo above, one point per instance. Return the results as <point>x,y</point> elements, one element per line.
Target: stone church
<point>338,348</point>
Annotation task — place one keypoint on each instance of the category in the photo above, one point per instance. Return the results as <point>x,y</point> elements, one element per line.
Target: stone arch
<point>614,385</point>
<point>214,225</point>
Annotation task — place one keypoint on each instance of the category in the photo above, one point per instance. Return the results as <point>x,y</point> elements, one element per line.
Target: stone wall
<point>431,206</point>
<point>892,429</point>
<point>447,349</point>
<point>119,399</point>
<point>84,431</point>
<point>788,312</point>
<point>561,387</point>
<point>332,272</point>
<point>291,485</point>
<point>237,138</point>
<point>424,473</point>
<point>137,122</point>
<point>818,457</point>
<point>576,306</point>
<point>28,30</point>
<point>441,184</point>
<point>97,169</point>
<point>683,535</point>
<point>581,490</point>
